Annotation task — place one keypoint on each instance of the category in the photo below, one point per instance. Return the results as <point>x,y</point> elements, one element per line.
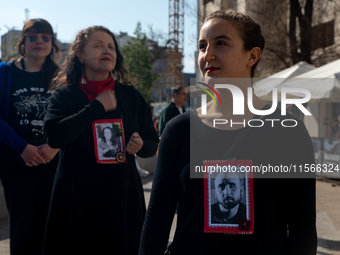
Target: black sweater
<point>95,208</point>
<point>278,202</point>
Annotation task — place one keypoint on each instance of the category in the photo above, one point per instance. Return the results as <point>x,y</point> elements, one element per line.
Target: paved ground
<point>4,236</point>
<point>328,218</point>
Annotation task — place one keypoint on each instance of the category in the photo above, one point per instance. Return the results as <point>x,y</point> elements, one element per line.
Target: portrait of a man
<point>228,189</point>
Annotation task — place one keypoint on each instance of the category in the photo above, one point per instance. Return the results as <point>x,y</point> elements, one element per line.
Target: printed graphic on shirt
<point>29,106</point>
<point>32,104</point>
<point>228,196</point>
<point>109,141</point>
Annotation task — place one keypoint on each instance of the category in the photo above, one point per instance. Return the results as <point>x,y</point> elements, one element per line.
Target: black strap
<point>22,63</point>
<point>5,84</point>
<point>3,147</point>
<point>200,199</point>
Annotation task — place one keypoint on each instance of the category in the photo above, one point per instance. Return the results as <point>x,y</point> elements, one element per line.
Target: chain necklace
<point>23,68</point>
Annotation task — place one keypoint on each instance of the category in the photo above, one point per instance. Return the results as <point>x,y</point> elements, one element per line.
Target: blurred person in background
<point>174,108</point>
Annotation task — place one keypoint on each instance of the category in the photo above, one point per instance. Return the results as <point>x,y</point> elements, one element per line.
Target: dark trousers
<point>27,193</point>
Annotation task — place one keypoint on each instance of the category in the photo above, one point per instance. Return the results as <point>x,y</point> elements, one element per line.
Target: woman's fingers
<point>31,156</point>
<point>135,144</point>
<point>46,152</point>
<point>39,159</point>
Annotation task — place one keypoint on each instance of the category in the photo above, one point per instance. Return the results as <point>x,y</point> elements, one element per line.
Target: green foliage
<point>119,131</point>
<point>138,59</point>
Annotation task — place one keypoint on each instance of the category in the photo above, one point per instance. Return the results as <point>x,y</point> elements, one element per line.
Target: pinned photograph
<point>109,141</point>
<point>229,205</point>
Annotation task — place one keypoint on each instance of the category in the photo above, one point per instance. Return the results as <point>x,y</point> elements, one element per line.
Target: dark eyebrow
<point>222,37</point>
<point>217,37</point>
<point>230,181</point>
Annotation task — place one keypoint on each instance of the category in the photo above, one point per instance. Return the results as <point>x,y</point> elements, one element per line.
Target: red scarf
<point>93,88</point>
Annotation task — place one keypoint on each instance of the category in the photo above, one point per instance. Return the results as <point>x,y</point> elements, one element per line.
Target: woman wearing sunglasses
<point>28,163</point>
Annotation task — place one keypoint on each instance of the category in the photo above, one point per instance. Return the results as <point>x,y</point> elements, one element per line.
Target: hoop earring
<point>83,81</point>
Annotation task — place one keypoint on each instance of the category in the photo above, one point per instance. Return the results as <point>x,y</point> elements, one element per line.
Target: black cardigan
<point>95,208</point>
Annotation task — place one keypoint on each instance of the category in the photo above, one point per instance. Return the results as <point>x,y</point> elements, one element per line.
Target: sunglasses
<point>32,37</point>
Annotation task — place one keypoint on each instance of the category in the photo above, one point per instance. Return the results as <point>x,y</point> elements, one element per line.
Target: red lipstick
<point>211,69</point>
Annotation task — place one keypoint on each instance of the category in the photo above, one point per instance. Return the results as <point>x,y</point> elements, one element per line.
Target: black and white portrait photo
<point>108,140</point>
<point>227,198</point>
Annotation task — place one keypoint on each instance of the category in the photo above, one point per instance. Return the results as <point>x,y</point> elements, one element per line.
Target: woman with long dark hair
<point>97,205</point>
<point>107,143</point>
<point>28,163</point>
<point>267,214</point>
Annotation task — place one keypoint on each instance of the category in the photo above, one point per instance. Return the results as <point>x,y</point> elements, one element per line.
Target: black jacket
<point>167,114</point>
<point>95,208</point>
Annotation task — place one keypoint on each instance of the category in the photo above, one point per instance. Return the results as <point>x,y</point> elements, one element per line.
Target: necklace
<point>23,68</point>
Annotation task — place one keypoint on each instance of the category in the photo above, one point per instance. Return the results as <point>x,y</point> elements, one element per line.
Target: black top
<point>217,216</point>
<point>28,104</point>
<point>95,208</point>
<point>277,202</point>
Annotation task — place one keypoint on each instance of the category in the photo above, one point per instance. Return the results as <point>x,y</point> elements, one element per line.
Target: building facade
<point>9,49</point>
<point>9,45</point>
<point>274,19</point>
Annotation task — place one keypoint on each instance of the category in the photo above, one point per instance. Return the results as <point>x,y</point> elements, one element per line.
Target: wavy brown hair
<point>249,30</point>
<point>50,67</point>
<point>71,69</point>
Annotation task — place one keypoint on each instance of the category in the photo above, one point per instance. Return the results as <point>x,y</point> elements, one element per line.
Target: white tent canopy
<point>265,86</point>
<point>322,82</point>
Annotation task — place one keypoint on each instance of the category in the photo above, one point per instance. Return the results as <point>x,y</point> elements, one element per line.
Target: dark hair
<point>249,30</point>
<point>177,90</point>
<point>113,132</point>
<point>240,176</point>
<point>71,68</point>
<point>40,26</point>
